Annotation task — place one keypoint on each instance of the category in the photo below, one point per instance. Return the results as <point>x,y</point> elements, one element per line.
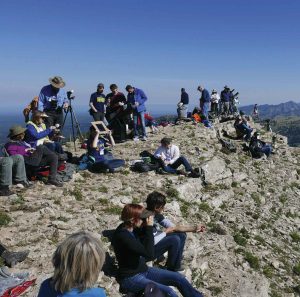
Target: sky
<point>159,46</point>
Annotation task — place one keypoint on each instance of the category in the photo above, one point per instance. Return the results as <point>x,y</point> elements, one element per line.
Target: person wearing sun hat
<point>52,100</point>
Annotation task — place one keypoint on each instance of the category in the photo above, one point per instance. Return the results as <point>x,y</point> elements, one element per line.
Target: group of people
<point>211,104</point>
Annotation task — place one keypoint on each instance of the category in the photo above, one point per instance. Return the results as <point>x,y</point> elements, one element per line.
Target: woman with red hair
<point>133,242</point>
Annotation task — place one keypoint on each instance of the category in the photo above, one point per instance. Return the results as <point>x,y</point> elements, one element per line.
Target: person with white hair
<point>204,101</point>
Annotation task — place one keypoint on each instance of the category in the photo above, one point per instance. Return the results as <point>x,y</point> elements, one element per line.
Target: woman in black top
<point>132,242</point>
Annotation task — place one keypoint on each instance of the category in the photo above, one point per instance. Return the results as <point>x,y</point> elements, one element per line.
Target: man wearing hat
<point>52,100</point>
<point>98,104</point>
<point>225,99</point>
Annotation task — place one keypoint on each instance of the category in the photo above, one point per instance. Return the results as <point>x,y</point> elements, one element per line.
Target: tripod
<point>74,123</point>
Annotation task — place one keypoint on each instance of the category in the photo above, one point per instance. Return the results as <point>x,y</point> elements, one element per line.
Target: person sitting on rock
<point>172,239</point>
<point>77,263</point>
<point>12,258</point>
<point>133,241</point>
<point>37,133</point>
<point>33,157</point>
<point>169,155</point>
<point>96,150</point>
<point>258,147</point>
<point>12,168</point>
<point>243,130</point>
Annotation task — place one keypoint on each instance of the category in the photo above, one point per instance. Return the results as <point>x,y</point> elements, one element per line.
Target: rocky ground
<point>250,207</point>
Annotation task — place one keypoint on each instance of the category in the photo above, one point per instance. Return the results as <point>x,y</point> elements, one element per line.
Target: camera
<point>70,95</point>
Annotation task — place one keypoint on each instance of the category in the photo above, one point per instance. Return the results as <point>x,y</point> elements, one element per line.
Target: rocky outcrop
<point>250,207</point>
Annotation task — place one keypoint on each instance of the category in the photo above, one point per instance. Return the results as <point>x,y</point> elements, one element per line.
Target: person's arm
<point>38,135</point>
<point>158,153</point>
<point>175,154</point>
<point>42,101</point>
<point>96,139</point>
<point>190,228</point>
<point>142,97</point>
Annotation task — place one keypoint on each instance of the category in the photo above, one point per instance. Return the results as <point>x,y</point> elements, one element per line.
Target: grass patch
<point>215,290</point>
<point>103,201</point>
<point>4,219</point>
<point>216,228</point>
<point>260,239</point>
<point>252,260</point>
<point>172,193</point>
<point>268,271</point>
<point>296,269</point>
<point>113,209</point>
<point>283,198</point>
<point>103,189</point>
<point>256,198</point>
<point>76,192</point>
<point>241,237</point>
<point>204,206</point>
<point>295,236</point>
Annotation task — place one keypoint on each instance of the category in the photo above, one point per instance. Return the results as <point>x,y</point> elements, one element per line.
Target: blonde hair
<point>77,262</point>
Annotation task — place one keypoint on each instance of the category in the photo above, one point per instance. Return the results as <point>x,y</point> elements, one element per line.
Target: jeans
<point>111,165</point>
<point>141,116</point>
<point>163,279</point>
<point>205,109</point>
<point>266,149</point>
<point>12,167</point>
<point>226,108</point>
<point>54,147</point>
<point>173,243</point>
<point>180,161</point>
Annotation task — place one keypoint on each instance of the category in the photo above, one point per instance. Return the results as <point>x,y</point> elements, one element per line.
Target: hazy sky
<point>158,45</point>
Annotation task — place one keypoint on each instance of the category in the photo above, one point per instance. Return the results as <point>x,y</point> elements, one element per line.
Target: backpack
<point>141,167</point>
<point>228,146</point>
<point>66,174</point>
<point>152,290</point>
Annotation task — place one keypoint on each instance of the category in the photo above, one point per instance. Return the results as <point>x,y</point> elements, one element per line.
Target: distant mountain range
<point>267,111</point>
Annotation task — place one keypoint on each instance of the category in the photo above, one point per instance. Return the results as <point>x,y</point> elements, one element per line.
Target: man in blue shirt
<point>137,98</point>
<point>225,99</point>
<point>204,101</point>
<point>98,104</point>
<point>52,100</point>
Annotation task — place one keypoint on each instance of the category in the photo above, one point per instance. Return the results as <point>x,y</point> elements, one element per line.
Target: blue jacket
<point>32,135</point>
<point>47,95</point>
<point>225,96</point>
<point>138,96</point>
<point>205,97</point>
<point>46,290</point>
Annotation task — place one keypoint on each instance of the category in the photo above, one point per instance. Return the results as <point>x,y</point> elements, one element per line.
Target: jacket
<point>205,97</point>
<point>138,96</point>
<point>35,137</point>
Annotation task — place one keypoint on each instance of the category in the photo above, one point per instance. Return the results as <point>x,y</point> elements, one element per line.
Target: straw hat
<point>57,82</point>
<point>16,130</point>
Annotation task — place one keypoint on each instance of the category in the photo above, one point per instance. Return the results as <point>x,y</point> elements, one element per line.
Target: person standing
<point>204,101</point>
<point>215,98</point>
<point>225,98</point>
<point>137,98</point>
<point>53,100</point>
<point>183,104</point>
<point>98,103</point>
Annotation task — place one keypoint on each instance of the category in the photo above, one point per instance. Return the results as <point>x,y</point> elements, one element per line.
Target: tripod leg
<point>77,125</point>
<point>63,125</point>
<point>73,131</point>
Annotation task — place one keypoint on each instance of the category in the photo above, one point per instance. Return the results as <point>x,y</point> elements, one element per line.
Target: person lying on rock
<point>96,149</point>
<point>33,157</point>
<point>258,147</point>
<point>170,158</point>
<point>77,263</point>
<point>133,241</point>
<point>172,239</point>
<point>12,258</point>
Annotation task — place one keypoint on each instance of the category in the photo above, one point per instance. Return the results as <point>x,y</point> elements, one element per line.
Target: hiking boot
<point>135,138</point>
<point>12,258</point>
<point>5,191</point>
<point>144,138</point>
<point>180,172</point>
<point>194,174</point>
<point>54,183</point>
<point>24,184</point>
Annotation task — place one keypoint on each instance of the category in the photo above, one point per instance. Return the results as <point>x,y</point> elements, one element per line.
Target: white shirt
<point>170,154</point>
<point>215,98</point>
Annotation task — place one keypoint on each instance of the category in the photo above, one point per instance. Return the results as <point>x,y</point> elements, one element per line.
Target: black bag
<point>152,290</point>
<point>228,146</point>
<point>141,167</point>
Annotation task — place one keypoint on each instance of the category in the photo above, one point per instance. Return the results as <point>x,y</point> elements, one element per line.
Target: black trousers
<point>42,156</point>
<point>54,117</point>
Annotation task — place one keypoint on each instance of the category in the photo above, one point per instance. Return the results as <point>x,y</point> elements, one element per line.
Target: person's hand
<point>199,228</point>
<point>66,105</point>
<point>136,104</point>
<point>149,221</point>
<point>166,162</point>
<point>52,127</point>
<point>30,149</point>
<point>121,103</point>
<point>170,230</point>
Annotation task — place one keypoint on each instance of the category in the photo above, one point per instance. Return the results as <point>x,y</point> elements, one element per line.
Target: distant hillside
<point>288,126</point>
<point>289,108</point>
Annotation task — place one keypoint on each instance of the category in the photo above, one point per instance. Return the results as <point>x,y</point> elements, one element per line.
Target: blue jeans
<point>180,161</point>
<point>205,109</point>
<point>163,279</point>
<point>141,116</point>
<point>173,243</point>
<point>266,149</point>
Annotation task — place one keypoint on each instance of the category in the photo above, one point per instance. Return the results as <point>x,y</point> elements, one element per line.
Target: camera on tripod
<point>70,95</point>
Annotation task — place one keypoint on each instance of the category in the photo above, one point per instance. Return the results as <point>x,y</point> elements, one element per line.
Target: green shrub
<point>240,239</point>
<point>268,271</point>
<point>172,193</point>
<point>295,236</point>
<point>296,269</point>
<point>204,206</point>
<point>4,219</point>
<point>256,198</point>
<point>103,189</point>
<point>252,260</point>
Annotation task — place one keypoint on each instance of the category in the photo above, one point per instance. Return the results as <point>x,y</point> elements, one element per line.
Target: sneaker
<point>180,172</point>
<point>144,138</point>
<point>25,184</point>
<point>54,183</point>
<point>136,138</point>
<point>11,258</point>
<point>5,191</point>
<point>194,174</point>
<point>180,269</point>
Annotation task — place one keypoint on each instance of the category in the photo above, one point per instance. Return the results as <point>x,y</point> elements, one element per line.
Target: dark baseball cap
<point>100,85</point>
